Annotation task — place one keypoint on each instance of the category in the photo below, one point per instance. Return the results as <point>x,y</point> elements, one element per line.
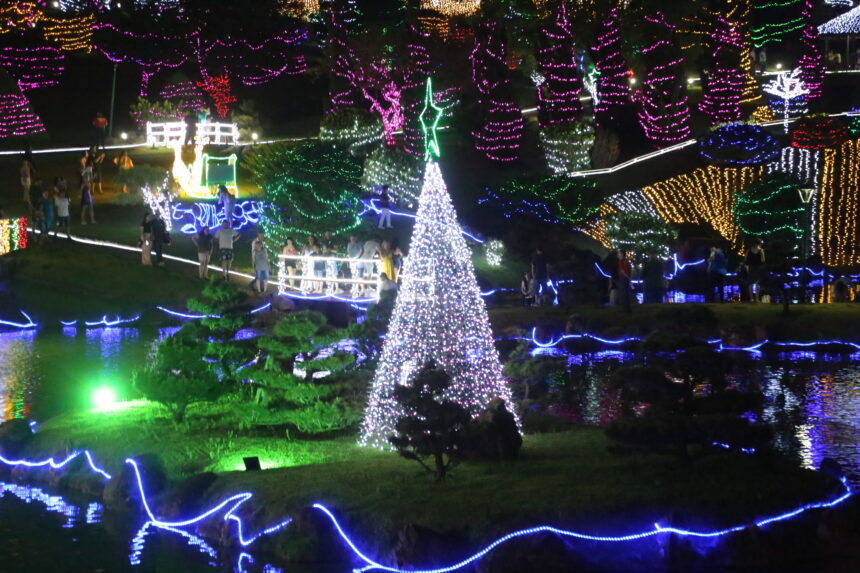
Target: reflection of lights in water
<point>805,453</point>
<point>109,343</point>
<point>53,503</point>
<point>17,357</point>
<point>139,542</point>
<point>94,513</point>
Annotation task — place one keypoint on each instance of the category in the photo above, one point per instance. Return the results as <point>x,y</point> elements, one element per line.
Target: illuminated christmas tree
<point>438,315</point>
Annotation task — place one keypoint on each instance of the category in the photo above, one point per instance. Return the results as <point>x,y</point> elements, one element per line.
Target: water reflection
<point>16,375</point>
<point>52,503</point>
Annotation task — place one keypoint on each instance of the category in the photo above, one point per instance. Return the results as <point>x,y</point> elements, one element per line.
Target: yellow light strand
<point>5,237</point>
<point>838,205</point>
<point>72,34</point>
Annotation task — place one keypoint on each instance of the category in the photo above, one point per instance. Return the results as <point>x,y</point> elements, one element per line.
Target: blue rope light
<point>20,325</point>
<point>105,322</point>
<point>195,216</point>
<point>371,206</point>
<point>230,506</point>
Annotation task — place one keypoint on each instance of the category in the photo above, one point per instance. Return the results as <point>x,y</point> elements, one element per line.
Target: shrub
<point>177,376</point>
<point>434,428</point>
<point>144,110</point>
<point>739,144</point>
<point>247,119</point>
<point>355,130</point>
<point>567,146</point>
<point>818,131</point>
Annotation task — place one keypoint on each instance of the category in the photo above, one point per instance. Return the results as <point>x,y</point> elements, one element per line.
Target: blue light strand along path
<point>55,465</point>
<point>20,325</point>
<point>370,206</point>
<point>230,506</point>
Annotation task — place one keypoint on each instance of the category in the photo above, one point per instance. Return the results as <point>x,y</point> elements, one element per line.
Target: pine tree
<point>613,83</point>
<point>724,86</point>
<point>439,315</point>
<point>501,132</point>
<point>665,111</point>
<point>811,61</point>
<point>558,96</point>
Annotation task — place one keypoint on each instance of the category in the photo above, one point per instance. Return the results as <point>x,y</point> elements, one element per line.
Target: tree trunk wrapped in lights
<point>724,86</point>
<point>665,111</point>
<point>774,21</point>
<point>558,95</point>
<point>501,132</point>
<point>613,82</point>
<point>811,62</point>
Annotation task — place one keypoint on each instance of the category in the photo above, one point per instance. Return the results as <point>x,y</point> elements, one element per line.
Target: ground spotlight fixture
<point>254,137</point>
<point>779,66</point>
<point>123,136</point>
<point>252,464</point>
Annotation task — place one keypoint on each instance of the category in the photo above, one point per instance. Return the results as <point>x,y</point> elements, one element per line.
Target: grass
<point>569,479</point>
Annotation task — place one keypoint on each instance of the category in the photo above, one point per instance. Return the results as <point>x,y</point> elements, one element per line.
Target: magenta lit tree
<point>724,86</point>
<point>500,135</point>
<point>811,62</point>
<point>613,83</point>
<point>664,106</point>
<point>16,115</point>
<point>558,95</point>
<point>33,68</point>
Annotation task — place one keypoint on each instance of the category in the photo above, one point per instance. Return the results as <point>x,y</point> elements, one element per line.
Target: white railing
<point>165,133</point>
<point>319,275</point>
<point>218,133</point>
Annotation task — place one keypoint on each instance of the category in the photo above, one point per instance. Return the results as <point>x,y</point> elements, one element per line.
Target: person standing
<point>329,249</point>
<point>653,282</point>
<point>754,262</point>
<point>762,60</point>
<point>225,237</point>
<point>100,124</point>
<point>386,256</point>
<point>540,272</point>
<point>203,241</point>
<point>146,239</point>
<point>125,165</point>
<point>370,251</point>
<point>384,209</point>
<point>353,251</point>
<point>227,202</point>
<point>35,198</point>
<point>527,288</point>
<point>98,160</point>
<point>61,204</point>
<point>290,263</point>
<point>717,272</point>
<point>610,268</point>
<point>625,277</point>
<point>26,172</point>
<point>261,265</point>
<point>47,207</point>
<point>160,239</point>
<point>310,268</point>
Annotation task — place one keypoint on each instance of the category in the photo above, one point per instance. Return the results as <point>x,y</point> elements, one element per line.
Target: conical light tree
<point>439,313</point>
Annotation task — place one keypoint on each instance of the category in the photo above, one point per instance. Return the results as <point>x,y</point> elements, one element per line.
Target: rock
<point>121,492</point>
<point>311,538</point>
<point>14,435</point>
<point>187,498</point>
<point>418,546</point>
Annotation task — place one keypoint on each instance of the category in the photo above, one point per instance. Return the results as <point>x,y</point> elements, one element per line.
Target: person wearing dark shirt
<point>716,274</point>
<point>754,262</point>
<point>159,234</point>
<point>625,276</point>
<point>653,282</point>
<point>384,209</point>
<point>540,273</point>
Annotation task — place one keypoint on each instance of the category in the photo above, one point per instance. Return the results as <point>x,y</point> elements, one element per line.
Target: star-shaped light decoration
<point>431,142</point>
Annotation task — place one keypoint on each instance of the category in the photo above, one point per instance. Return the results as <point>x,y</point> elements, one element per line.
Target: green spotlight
<point>104,398</point>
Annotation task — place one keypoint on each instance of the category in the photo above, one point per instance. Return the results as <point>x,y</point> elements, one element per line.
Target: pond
<point>812,402</point>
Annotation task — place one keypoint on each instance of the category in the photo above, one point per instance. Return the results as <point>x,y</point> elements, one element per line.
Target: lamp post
<point>806,195</point>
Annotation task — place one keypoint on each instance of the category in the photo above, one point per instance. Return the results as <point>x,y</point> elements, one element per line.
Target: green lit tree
<point>554,199</point>
<point>770,208</point>
<point>311,188</point>
<point>641,234</point>
<point>176,376</point>
<point>226,313</point>
<point>356,130</point>
<point>305,380</point>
